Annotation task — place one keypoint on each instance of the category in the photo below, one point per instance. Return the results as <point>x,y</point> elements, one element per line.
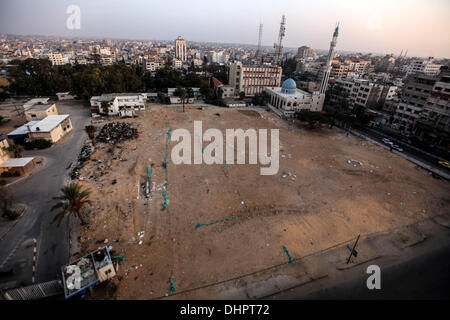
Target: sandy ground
<point>327,202</point>
<point>11,120</point>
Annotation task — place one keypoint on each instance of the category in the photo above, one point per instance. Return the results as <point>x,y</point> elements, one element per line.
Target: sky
<point>379,26</point>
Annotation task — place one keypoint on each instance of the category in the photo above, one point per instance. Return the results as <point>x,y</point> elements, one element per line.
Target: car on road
<point>397,147</point>
<point>387,141</point>
<point>445,164</point>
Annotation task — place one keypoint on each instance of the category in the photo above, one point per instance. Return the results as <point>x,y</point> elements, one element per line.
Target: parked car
<point>396,147</point>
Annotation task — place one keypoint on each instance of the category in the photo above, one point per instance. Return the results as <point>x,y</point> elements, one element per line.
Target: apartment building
<point>435,116</point>
<point>427,67</point>
<point>415,93</point>
<point>56,59</point>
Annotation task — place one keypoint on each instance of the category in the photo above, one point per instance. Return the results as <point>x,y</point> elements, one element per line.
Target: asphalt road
<point>408,149</point>
<point>37,191</point>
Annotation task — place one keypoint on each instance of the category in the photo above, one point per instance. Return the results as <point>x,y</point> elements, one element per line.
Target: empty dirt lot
<point>316,200</point>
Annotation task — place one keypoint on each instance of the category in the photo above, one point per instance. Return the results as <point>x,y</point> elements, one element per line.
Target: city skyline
<point>364,25</point>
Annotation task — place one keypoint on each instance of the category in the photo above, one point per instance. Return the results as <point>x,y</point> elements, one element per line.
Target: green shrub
<point>38,144</point>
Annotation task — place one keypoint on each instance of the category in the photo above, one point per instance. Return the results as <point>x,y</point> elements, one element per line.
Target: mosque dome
<point>288,86</point>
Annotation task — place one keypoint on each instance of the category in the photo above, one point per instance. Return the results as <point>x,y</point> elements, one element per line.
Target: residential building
<point>180,49</point>
<point>427,67</point>
<point>40,111</point>
<point>415,93</point>
<point>435,117</point>
<point>305,52</point>
<point>56,59</point>
<point>227,91</point>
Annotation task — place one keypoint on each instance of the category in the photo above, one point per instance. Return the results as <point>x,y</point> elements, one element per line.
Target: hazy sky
<point>382,26</point>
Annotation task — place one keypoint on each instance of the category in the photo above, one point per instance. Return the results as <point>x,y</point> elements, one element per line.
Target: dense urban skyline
<point>375,26</point>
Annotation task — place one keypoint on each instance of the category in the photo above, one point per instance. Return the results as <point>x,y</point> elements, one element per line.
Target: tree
<point>16,149</point>
<point>104,107</point>
<point>72,199</point>
<point>241,95</point>
<point>90,130</point>
<point>184,94</point>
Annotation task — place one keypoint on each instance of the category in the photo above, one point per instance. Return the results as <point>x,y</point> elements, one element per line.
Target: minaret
<point>327,67</point>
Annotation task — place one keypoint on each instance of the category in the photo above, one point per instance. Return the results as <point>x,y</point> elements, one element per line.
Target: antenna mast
<point>278,46</point>
<point>259,52</point>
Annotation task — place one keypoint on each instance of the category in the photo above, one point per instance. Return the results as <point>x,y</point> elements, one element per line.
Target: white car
<point>396,147</point>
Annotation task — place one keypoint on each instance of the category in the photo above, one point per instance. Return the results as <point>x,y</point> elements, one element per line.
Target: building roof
<point>40,107</point>
<point>48,123</point>
<point>217,82</point>
<point>32,102</point>
<point>23,130</point>
<point>16,162</point>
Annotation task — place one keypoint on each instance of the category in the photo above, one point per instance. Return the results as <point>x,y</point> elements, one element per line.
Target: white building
<point>428,67</point>
<point>287,99</point>
<point>57,59</point>
<point>121,104</point>
<point>180,49</point>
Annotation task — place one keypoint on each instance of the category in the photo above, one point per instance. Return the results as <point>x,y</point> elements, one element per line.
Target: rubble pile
<point>114,132</point>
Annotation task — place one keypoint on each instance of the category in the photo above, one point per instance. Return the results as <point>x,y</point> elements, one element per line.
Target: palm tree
<point>182,93</point>
<point>104,107</point>
<point>16,149</point>
<point>90,130</point>
<point>72,200</point>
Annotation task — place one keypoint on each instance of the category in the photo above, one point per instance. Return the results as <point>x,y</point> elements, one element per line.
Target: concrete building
<point>366,94</point>
<point>177,64</point>
<point>35,101</point>
<point>4,155</point>
<point>40,111</point>
<point>18,166</point>
<point>227,91</point>
<point>427,67</point>
<point>118,104</point>
<point>415,93</point>
<point>64,96</point>
<point>253,79</point>
<point>435,117</point>
<point>305,52</point>
<point>52,128</point>
<point>288,100</point>
<point>56,59</point>
<point>180,49</point>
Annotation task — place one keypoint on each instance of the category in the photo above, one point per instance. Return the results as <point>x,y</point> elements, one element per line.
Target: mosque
<point>288,100</point>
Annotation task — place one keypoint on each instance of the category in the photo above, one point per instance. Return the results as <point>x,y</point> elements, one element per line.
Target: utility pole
<point>353,251</point>
<point>278,46</point>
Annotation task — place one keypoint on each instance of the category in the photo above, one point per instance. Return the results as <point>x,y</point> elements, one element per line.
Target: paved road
<point>408,149</point>
<point>37,191</point>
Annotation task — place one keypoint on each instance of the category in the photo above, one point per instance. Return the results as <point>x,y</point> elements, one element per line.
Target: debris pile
<point>114,132</point>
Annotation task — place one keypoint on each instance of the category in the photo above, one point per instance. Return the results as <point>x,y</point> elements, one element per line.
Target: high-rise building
<point>427,67</point>
<point>180,49</point>
<point>253,79</point>
<point>415,93</point>
<point>305,52</point>
<point>436,111</point>
<point>327,67</point>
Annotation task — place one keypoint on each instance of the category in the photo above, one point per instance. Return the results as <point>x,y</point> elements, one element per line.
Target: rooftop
<point>16,162</point>
<point>48,123</point>
<point>34,101</point>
